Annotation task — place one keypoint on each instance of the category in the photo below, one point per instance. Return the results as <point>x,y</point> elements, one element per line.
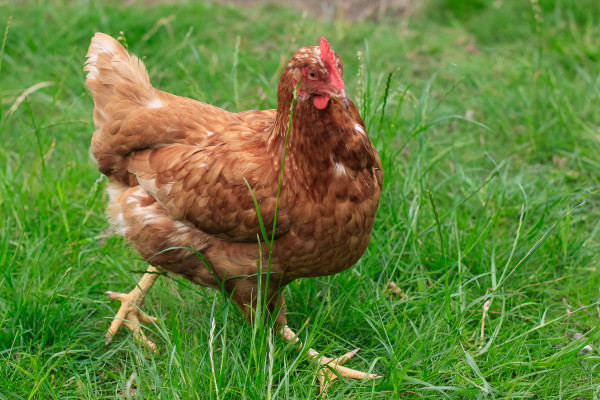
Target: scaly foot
<point>331,367</point>
<point>130,312</point>
<point>327,373</point>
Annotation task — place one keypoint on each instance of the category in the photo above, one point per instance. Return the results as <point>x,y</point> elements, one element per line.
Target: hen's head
<point>319,71</point>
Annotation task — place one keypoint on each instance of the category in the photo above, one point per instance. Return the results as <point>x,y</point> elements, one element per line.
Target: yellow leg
<point>326,373</point>
<point>130,312</point>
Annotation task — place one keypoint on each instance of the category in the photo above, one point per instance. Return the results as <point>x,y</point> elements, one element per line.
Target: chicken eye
<point>312,75</point>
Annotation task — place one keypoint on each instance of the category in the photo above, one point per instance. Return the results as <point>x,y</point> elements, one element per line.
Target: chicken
<point>184,177</point>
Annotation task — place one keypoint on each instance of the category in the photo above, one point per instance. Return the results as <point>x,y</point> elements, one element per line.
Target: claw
<point>332,367</point>
<point>130,313</point>
<point>131,316</point>
<point>117,295</point>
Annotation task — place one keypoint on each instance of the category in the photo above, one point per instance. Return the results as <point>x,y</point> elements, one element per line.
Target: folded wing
<point>205,187</point>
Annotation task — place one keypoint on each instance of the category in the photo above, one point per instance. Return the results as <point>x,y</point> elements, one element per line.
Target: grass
<point>489,139</point>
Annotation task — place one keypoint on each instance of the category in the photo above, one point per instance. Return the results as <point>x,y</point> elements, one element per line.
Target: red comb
<point>329,60</point>
<point>326,53</point>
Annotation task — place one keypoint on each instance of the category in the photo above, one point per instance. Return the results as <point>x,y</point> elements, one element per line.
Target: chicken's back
<point>130,115</point>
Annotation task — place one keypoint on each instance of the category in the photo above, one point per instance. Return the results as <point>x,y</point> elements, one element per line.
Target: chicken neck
<point>318,140</point>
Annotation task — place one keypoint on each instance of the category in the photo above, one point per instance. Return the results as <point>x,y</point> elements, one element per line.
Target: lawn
<point>486,117</point>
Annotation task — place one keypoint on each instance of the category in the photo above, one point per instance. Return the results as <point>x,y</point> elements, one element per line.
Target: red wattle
<point>321,101</point>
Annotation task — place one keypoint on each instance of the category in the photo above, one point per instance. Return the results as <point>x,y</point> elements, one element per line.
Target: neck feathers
<point>319,140</point>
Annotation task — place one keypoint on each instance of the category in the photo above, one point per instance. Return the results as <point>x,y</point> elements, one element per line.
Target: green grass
<point>490,143</point>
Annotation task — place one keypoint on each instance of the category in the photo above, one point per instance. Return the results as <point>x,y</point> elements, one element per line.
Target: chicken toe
<point>331,367</point>
<point>130,313</point>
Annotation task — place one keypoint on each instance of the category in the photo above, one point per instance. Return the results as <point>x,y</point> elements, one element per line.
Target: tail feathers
<point>117,78</point>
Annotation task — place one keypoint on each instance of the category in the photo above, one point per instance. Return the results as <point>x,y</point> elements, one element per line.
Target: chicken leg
<point>130,312</point>
<point>326,373</point>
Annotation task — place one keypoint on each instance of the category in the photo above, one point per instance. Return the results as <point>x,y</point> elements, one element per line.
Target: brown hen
<point>179,173</point>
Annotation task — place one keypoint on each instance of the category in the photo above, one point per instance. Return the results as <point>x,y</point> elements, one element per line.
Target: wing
<point>205,186</point>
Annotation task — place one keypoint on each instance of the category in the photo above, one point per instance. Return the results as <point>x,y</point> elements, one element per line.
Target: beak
<point>340,97</point>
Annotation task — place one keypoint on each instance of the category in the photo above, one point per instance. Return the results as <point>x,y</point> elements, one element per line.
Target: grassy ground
<point>490,142</point>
